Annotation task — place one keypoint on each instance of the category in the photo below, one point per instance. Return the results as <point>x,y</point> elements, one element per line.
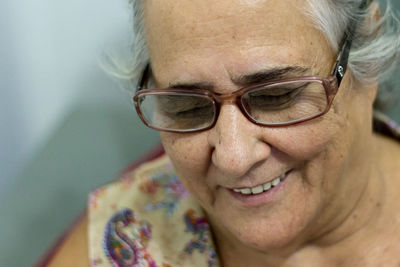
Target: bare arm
<point>74,250</point>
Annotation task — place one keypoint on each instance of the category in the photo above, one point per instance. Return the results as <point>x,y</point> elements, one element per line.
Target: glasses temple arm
<point>143,77</point>
<point>343,57</point>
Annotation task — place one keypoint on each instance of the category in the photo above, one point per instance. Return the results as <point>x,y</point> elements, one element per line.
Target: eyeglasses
<point>273,104</point>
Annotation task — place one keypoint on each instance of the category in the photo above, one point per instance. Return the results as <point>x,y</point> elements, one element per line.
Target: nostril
<point>237,157</point>
<point>230,162</point>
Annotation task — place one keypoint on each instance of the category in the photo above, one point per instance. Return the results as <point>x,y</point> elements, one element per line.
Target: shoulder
<point>146,216</point>
<point>73,250</point>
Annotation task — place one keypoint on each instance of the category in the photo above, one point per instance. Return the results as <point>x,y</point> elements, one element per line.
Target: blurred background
<point>65,126</point>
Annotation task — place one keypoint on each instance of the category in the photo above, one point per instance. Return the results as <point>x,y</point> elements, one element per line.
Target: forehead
<point>196,38</point>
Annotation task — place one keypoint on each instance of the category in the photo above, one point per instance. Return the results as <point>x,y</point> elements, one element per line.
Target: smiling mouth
<point>262,188</point>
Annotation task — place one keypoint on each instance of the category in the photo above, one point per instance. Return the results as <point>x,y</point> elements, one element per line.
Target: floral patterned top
<point>148,219</point>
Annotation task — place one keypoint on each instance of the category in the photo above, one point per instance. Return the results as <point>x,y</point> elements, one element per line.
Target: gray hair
<point>375,51</point>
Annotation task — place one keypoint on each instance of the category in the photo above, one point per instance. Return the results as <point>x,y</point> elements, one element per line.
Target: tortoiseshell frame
<point>331,86</point>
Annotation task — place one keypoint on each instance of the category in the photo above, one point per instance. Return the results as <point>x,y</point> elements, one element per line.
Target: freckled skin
<point>332,157</point>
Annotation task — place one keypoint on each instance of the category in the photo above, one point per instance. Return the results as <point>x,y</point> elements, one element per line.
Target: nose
<point>238,143</point>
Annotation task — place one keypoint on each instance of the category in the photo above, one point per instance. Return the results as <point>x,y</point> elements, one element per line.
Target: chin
<point>275,233</point>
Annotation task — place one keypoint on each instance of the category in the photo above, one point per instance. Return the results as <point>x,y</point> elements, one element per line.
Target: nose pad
<point>237,142</point>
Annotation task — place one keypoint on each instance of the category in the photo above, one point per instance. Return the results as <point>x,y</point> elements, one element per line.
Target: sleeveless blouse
<point>148,219</point>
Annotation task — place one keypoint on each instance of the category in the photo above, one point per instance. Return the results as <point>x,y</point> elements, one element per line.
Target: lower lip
<point>262,198</point>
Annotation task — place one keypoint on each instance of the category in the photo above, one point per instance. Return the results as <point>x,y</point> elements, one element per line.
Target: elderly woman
<point>274,155</point>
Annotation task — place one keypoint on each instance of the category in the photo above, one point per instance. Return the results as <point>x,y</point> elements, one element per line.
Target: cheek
<point>190,155</point>
<point>333,147</point>
<point>308,141</point>
<point>189,150</point>
<point>320,147</point>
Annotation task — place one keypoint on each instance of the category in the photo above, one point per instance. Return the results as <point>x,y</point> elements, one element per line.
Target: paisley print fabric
<point>148,219</point>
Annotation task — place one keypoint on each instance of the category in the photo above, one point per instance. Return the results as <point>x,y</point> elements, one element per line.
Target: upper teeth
<point>261,188</point>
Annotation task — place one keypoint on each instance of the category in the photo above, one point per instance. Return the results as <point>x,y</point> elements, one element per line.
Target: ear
<point>368,91</point>
<point>372,22</point>
<point>372,92</point>
<point>374,12</point>
<point>370,29</point>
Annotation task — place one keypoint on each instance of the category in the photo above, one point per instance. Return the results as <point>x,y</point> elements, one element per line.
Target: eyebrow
<point>270,74</point>
<point>250,79</point>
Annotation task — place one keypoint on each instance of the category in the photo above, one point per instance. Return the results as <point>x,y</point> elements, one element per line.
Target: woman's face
<point>214,43</point>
